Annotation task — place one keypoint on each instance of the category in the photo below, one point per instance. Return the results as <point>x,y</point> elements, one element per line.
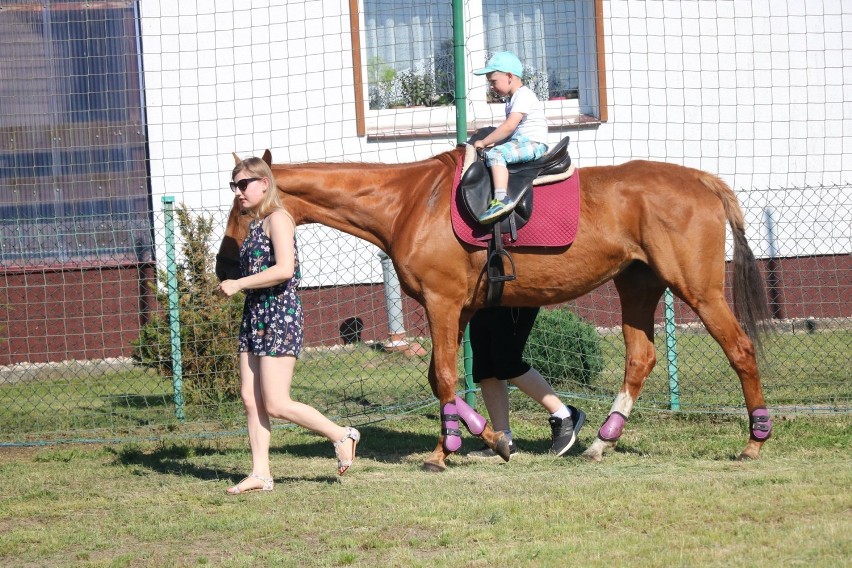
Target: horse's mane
<point>448,157</point>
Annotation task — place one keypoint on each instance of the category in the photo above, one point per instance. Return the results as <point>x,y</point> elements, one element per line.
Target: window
<point>406,69</point>
<point>409,50</point>
<point>73,174</point>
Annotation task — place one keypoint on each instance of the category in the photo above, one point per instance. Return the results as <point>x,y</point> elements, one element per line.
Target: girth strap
<point>495,270</point>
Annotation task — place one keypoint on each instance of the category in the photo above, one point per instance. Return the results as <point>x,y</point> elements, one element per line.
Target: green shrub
<point>208,322</point>
<point>564,348</point>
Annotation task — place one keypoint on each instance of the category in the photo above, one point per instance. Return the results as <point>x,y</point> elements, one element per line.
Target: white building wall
<point>762,99</point>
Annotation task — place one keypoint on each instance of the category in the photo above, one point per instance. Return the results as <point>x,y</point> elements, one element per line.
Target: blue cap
<point>502,61</point>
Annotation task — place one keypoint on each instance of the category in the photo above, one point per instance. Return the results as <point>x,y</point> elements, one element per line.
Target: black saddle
<point>476,187</point>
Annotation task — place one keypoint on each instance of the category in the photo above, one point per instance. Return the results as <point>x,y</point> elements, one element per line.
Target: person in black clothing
<point>497,339</point>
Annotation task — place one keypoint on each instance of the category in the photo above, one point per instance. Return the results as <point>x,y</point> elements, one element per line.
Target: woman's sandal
<point>355,436</point>
<point>268,485</point>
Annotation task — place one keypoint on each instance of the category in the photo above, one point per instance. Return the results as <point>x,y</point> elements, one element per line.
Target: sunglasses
<point>242,184</point>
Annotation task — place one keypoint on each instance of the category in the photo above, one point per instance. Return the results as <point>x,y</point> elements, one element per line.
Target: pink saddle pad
<point>553,223</point>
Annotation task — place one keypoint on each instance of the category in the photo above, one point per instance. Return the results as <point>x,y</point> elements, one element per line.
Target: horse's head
<point>228,258</point>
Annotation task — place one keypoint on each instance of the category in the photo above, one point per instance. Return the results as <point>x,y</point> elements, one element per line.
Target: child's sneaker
<point>496,209</point>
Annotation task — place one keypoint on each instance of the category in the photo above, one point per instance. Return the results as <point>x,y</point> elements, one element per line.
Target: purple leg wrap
<point>450,427</point>
<point>473,421</point>
<point>612,427</point>
<point>760,424</point>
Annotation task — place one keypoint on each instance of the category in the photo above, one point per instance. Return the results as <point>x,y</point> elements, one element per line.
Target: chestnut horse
<point>645,225</point>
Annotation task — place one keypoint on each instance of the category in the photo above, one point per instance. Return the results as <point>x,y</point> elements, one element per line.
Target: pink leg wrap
<point>612,427</point>
<point>474,422</point>
<point>450,427</point>
<point>760,424</point>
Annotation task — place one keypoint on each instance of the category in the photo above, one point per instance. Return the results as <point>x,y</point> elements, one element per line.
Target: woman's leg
<point>276,376</point>
<point>257,420</point>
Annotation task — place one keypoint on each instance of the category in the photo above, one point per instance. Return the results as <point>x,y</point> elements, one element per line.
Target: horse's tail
<point>750,304</point>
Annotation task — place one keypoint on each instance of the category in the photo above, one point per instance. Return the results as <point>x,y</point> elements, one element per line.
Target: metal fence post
<point>174,307</point>
<point>671,351</point>
<point>393,302</point>
<point>773,281</point>
<point>461,137</point>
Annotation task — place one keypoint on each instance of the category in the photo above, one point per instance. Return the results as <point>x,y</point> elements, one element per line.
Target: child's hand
<point>479,145</point>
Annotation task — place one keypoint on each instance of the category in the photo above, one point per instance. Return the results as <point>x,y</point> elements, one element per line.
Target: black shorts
<point>497,339</point>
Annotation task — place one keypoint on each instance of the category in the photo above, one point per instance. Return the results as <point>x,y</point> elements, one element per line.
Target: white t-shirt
<point>533,125</point>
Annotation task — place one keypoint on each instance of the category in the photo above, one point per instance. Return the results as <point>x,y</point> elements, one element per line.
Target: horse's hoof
<point>433,467</point>
<point>503,448</point>
<point>751,451</point>
<point>591,456</point>
<point>595,452</point>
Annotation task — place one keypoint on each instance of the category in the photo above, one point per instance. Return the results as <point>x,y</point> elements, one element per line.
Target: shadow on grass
<point>169,460</point>
<point>176,458</point>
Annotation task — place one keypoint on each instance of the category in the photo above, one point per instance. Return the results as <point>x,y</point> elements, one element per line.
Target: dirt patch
<point>8,453</point>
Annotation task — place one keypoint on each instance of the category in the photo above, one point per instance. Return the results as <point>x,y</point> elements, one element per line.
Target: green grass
<point>797,369</point>
<point>81,402</point>
<point>360,378</point>
<point>670,495</point>
<point>801,372</point>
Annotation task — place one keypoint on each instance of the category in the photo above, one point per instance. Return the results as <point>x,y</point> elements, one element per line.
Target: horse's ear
<point>237,159</point>
<point>267,157</point>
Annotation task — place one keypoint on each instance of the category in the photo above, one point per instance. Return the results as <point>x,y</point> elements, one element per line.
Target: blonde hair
<point>256,167</point>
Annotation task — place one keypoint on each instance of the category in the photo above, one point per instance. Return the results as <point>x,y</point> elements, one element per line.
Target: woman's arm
<point>282,232</point>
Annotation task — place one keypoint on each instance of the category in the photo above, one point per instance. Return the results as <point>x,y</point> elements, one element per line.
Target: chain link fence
<point>109,328</point>
<point>94,354</point>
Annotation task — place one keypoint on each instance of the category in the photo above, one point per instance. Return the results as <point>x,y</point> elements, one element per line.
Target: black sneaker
<point>487,452</point>
<point>565,430</point>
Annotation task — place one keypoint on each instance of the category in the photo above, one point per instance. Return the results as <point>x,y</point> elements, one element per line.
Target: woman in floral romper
<point>271,330</point>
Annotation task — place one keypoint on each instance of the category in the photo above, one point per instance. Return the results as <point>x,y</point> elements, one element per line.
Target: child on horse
<point>523,134</point>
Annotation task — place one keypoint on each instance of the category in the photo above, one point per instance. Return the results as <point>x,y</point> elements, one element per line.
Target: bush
<point>564,348</point>
<point>208,322</point>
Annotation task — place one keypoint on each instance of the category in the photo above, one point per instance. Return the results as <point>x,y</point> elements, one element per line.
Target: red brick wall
<point>807,287</point>
<point>326,308</point>
<point>74,313</point>
<point>95,312</point>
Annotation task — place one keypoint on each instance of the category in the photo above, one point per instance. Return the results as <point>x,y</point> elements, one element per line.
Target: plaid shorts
<point>516,150</point>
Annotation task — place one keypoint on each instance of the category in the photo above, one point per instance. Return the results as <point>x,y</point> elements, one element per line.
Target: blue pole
<point>174,307</point>
<point>671,351</point>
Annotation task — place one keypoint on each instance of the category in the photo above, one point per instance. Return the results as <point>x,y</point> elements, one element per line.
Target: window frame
<point>418,122</point>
